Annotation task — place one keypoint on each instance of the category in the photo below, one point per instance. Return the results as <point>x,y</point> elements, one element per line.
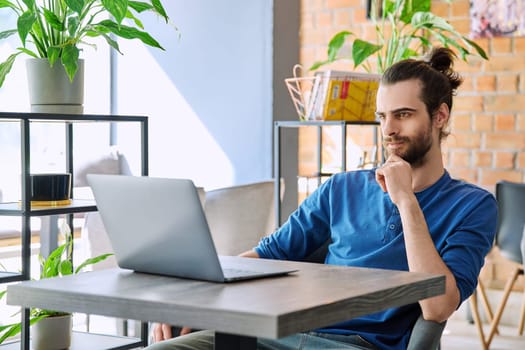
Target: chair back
<point>511,221</point>
<point>239,216</point>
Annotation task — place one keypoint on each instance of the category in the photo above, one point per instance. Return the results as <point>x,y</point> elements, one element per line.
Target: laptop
<point>158,226</point>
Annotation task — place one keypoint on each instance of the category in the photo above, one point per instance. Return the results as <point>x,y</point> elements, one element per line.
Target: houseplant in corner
<point>403,29</point>
<point>44,323</point>
<point>54,31</point>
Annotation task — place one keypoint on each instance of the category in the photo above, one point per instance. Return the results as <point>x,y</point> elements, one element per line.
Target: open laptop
<point>157,225</point>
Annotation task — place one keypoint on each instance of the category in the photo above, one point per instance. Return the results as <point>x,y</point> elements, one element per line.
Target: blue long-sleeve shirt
<point>365,229</point>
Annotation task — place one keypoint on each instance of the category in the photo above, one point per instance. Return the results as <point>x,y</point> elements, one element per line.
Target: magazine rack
<point>334,95</point>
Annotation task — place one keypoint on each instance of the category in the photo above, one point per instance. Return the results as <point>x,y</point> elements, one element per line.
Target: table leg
<point>225,341</point>
<point>48,234</point>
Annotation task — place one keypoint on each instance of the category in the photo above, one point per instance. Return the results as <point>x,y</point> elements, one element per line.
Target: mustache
<point>387,139</point>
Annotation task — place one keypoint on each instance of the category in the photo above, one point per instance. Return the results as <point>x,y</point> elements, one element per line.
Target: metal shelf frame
<point>23,208</point>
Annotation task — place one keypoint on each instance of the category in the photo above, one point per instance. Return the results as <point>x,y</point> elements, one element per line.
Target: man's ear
<point>441,116</point>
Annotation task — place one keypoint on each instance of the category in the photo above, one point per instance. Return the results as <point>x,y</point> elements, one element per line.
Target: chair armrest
<point>426,334</point>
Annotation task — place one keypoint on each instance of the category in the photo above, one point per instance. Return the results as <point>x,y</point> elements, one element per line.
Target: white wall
<point>208,95</point>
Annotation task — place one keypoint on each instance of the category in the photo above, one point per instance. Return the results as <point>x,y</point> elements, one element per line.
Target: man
<point>408,214</point>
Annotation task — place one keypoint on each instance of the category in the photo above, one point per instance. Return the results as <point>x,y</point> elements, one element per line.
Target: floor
<point>461,335</point>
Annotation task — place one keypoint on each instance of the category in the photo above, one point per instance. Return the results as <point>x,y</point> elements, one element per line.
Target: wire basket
<point>334,95</point>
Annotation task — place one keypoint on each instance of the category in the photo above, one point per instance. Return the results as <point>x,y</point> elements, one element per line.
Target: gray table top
<point>314,296</point>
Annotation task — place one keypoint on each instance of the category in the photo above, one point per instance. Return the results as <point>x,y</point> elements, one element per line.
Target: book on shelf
<point>340,95</point>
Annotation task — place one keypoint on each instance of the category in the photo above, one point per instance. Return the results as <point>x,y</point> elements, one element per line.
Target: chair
<point>510,237</point>
<point>425,334</point>
<point>239,216</point>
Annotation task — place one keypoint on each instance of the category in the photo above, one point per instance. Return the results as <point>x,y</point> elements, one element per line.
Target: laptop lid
<point>157,225</point>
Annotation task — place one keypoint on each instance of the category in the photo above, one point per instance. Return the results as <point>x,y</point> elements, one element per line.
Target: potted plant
<point>55,29</point>
<point>58,263</point>
<point>403,29</point>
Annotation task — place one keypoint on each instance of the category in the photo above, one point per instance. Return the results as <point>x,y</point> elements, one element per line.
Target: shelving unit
<point>24,210</point>
<point>279,125</point>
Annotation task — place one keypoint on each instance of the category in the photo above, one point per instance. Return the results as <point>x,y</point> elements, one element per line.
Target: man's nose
<point>389,126</point>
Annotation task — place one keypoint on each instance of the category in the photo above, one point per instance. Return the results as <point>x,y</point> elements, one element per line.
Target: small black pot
<point>50,187</point>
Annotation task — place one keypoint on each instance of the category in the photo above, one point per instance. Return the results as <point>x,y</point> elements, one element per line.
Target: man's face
<point>405,123</point>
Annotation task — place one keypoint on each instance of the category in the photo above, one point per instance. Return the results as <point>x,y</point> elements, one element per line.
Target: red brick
<point>483,122</point>
<point>343,18</point>
<point>461,122</point>
<point>504,103</point>
<point>509,140</point>
<point>501,45</point>
<point>505,63</point>
<point>520,122</point>
<point>482,159</point>
<point>332,4</point>
<point>490,176</point>
<point>464,140</point>
<point>469,175</point>
<point>459,8</point>
<point>440,8</point>
<point>520,160</point>
<point>468,103</point>
<point>504,160</point>
<point>507,83</point>
<point>459,159</point>
<point>519,45</point>
<point>505,122</point>
<point>486,83</point>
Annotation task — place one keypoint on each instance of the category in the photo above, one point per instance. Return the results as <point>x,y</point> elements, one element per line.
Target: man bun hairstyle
<point>439,82</point>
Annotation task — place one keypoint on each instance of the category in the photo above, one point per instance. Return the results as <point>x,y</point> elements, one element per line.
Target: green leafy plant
<point>403,29</point>
<point>57,264</point>
<point>55,29</point>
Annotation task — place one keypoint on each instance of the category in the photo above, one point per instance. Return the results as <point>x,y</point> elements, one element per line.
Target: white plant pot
<point>51,91</point>
<point>52,333</point>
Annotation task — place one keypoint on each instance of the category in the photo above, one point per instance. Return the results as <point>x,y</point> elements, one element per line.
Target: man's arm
<point>395,177</point>
<point>250,254</point>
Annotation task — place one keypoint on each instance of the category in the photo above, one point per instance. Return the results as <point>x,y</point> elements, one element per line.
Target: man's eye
<point>403,114</point>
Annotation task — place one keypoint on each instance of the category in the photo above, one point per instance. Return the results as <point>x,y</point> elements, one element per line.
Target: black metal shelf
<point>25,210</point>
<point>76,206</point>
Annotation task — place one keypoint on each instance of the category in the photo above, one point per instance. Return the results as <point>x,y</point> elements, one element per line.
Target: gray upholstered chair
<point>239,216</point>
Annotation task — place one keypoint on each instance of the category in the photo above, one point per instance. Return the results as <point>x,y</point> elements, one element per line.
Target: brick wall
<point>487,142</point>
<point>488,120</point>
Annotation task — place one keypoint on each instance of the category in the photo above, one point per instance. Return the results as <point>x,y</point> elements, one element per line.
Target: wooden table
<point>315,296</point>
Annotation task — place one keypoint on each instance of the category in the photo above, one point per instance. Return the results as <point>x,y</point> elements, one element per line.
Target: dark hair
<point>439,81</point>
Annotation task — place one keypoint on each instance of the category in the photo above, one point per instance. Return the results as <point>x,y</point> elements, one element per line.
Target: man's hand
<point>395,177</point>
<point>162,331</point>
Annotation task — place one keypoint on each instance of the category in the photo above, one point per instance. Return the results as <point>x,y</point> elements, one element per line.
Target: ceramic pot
<point>52,333</point>
<point>51,91</point>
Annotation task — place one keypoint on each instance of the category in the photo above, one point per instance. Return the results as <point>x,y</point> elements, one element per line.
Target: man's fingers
<point>185,330</point>
<point>166,331</point>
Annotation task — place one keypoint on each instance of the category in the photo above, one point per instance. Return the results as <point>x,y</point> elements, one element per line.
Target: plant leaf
<point>53,54</point>
<point>92,261</point>
<point>129,33</point>
<point>5,67</point>
<point>24,24</point>
<point>117,8</point>
<point>7,33</point>
<point>336,43</point>
<point>411,7</point>
<point>140,6</point>
<point>65,268</point>
<point>75,5</point>
<point>70,54</point>
<point>53,20</point>
<point>109,40</point>
<point>361,50</point>
<point>7,3</point>
<point>160,9</point>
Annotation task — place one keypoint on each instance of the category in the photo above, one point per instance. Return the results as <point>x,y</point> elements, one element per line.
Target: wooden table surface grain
<point>314,296</point>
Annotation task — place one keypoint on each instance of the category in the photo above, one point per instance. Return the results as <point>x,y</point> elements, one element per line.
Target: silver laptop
<point>158,226</point>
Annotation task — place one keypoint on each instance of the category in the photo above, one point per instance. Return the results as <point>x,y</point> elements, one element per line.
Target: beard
<point>416,150</point>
